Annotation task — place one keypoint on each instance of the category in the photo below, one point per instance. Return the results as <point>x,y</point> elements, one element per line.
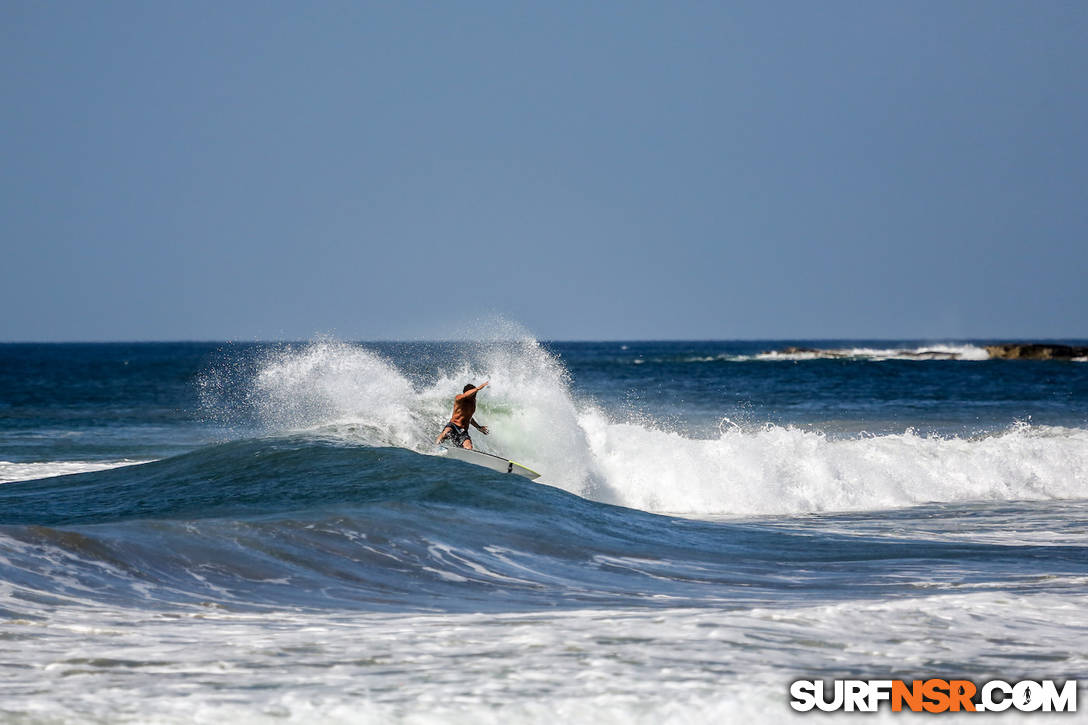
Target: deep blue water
<point>76,401</point>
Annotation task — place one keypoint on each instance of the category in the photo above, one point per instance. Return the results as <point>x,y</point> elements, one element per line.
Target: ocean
<point>210,532</point>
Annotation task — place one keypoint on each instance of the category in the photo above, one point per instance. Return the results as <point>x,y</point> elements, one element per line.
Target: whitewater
<point>192,532</point>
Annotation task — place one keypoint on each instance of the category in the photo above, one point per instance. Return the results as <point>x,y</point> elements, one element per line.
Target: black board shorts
<point>458,434</point>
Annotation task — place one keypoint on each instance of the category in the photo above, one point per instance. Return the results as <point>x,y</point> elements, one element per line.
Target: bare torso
<point>463,410</point>
<point>464,407</point>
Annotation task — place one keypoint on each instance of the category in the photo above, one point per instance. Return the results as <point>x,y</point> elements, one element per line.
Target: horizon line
<point>266,341</point>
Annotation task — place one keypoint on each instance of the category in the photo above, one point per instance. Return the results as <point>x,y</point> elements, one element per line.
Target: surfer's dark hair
<point>468,387</point>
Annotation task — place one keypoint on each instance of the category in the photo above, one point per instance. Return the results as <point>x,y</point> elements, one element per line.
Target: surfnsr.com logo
<point>934,695</point>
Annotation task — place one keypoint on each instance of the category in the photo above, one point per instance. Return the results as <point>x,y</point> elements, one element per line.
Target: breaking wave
<point>348,393</point>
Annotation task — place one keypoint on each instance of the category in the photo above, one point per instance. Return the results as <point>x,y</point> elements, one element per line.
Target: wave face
<point>302,523</point>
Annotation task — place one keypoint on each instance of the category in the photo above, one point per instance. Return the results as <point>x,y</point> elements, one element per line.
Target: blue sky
<point>260,170</point>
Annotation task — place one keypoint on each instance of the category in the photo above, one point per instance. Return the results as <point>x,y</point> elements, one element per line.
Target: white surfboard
<point>487,460</point>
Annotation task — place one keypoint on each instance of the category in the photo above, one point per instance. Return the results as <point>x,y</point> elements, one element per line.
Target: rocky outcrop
<point>890,354</point>
<point>1035,351</point>
<point>797,351</point>
<point>965,351</point>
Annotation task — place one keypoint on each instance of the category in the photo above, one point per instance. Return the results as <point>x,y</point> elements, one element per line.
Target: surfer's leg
<point>467,444</point>
<point>443,435</point>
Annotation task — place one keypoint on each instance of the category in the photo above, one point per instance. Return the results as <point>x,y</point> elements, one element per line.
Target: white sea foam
<point>585,666</point>
<point>28,471</point>
<point>785,470</point>
<point>348,391</point>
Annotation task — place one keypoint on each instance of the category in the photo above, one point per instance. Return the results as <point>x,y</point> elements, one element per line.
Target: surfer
<point>464,405</point>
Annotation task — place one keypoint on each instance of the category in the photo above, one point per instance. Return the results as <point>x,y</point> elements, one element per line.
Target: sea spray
<point>328,382</point>
<point>352,393</point>
<point>344,389</point>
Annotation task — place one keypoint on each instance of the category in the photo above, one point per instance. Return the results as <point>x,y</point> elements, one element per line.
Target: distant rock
<point>1005,351</point>
<point>792,352</point>
<point>891,354</point>
<point>929,354</point>
<point>1035,351</point>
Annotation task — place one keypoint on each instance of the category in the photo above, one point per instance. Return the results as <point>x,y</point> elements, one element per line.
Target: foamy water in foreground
<point>674,665</point>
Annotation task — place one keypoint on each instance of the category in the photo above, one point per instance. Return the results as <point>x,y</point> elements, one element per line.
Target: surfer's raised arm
<point>471,393</point>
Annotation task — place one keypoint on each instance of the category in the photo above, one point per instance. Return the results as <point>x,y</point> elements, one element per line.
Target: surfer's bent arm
<point>481,428</point>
